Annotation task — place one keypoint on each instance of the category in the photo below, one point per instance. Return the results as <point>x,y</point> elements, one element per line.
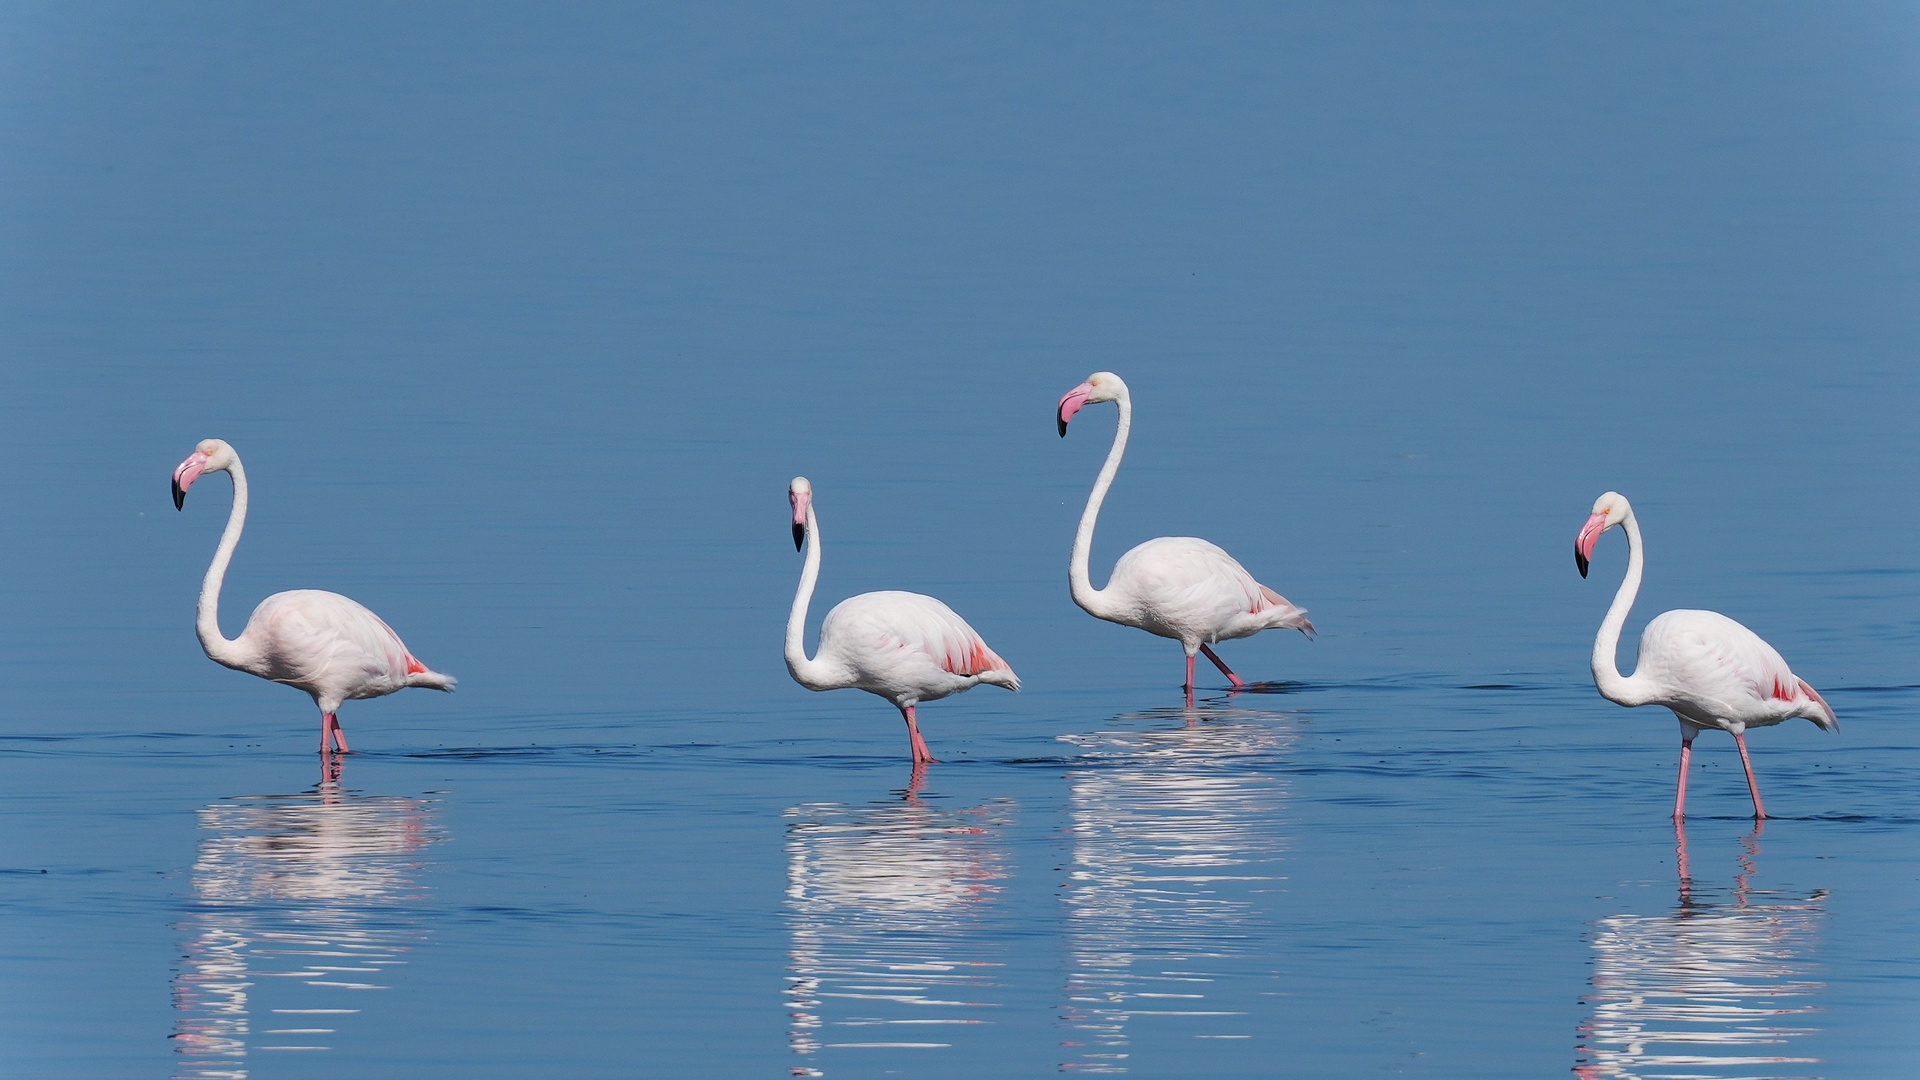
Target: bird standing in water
<point>1710,670</point>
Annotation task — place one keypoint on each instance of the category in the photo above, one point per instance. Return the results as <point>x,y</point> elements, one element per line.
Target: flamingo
<point>902,646</point>
<point>1710,670</point>
<point>1179,587</point>
<point>320,642</point>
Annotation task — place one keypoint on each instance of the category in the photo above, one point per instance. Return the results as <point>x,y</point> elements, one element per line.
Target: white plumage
<point>1710,670</point>
<point>902,646</point>
<point>321,642</point>
<point>1178,587</point>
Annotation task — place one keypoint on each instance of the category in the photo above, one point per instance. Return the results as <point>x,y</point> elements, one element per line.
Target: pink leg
<point>921,755</point>
<point>1759,812</point>
<point>1680,798</point>
<point>330,725</point>
<point>1189,683</point>
<point>1237,681</point>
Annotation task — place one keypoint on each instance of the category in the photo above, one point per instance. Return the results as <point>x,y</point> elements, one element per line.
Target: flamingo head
<point>800,494</point>
<point>212,455</point>
<point>1608,510</point>
<point>1100,386</point>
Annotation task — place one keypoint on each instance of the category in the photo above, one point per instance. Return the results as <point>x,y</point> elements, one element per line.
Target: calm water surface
<point>522,319</point>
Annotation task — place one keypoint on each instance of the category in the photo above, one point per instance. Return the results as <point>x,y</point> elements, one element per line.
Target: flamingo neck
<point>812,674</point>
<point>1623,689</point>
<point>1094,601</point>
<point>207,622</point>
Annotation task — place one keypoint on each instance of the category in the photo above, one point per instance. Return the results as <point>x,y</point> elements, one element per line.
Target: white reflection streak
<point>307,888</point>
<point>885,905</point>
<point>1713,986</point>
<point>1171,841</point>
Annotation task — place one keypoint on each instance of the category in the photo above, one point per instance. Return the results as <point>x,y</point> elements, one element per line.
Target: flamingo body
<point>331,647</point>
<point>1715,673</point>
<point>908,648</point>
<point>1711,671</point>
<point>902,646</point>
<point>1179,587</point>
<point>321,642</point>
<point>1191,590</point>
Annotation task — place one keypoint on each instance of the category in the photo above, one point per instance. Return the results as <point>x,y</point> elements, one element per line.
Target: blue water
<point>522,318</point>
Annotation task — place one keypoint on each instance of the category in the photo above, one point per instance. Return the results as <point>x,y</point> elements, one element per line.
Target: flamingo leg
<point>1759,812</point>
<point>330,725</point>
<point>1188,685</point>
<point>921,755</point>
<point>1680,795</point>
<point>1237,681</point>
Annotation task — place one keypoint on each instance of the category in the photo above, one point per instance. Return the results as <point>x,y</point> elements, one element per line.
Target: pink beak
<point>1589,536</point>
<point>185,475</point>
<point>801,500</point>
<point>1075,400</point>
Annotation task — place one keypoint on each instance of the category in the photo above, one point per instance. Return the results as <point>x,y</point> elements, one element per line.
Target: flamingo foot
<point>1237,681</point>
<point>1759,811</point>
<point>1680,794</point>
<point>921,755</point>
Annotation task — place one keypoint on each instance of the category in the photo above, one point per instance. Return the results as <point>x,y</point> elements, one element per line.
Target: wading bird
<point>902,646</point>
<point>1178,587</point>
<point>1711,671</point>
<point>320,642</point>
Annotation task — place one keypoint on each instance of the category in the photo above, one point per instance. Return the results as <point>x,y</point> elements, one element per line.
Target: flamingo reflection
<point>1175,836</point>
<point>300,906</point>
<point>888,908</point>
<point>1717,989</point>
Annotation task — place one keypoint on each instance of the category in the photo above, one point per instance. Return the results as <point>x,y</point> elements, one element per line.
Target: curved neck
<point>1614,686</point>
<point>1093,600</point>
<point>812,674</point>
<point>207,623</point>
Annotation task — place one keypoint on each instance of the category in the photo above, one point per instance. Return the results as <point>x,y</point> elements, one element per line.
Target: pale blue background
<point>522,317</point>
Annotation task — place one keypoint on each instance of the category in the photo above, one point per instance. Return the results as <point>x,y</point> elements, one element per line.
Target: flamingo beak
<point>1589,536</point>
<point>1075,400</point>
<point>801,501</point>
<point>185,475</point>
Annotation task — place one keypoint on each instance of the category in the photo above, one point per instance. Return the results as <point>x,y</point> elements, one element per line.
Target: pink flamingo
<point>1711,671</point>
<point>320,642</point>
<point>1178,587</point>
<point>902,646</point>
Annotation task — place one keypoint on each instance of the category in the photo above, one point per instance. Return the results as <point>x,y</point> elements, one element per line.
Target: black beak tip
<point>179,497</point>
<point>799,536</point>
<point>1062,421</point>
<point>1580,561</point>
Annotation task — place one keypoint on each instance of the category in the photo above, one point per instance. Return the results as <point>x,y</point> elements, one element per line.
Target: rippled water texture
<point>523,317</point>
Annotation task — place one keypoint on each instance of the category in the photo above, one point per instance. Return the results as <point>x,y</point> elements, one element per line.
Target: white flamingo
<point>903,646</point>
<point>320,642</point>
<point>1179,587</point>
<point>1711,671</point>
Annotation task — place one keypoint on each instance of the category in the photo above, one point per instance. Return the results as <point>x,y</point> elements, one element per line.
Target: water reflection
<point>1175,836</point>
<point>1717,989</point>
<point>300,910</point>
<point>888,906</point>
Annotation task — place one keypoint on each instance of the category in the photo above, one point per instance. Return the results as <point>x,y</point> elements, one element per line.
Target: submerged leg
<point>921,755</point>
<point>1188,686</point>
<point>1680,796</point>
<point>1237,681</point>
<point>1759,812</point>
